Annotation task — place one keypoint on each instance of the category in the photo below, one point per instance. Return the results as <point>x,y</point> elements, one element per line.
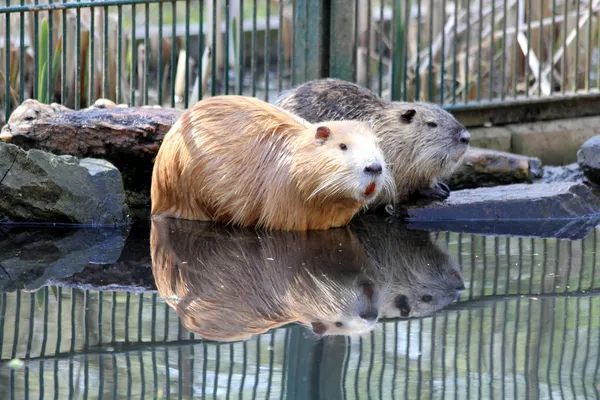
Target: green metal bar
<point>407,12</point>
<point>576,65</point>
<point>380,47</point>
<point>503,89</point>
<point>418,61</point>
<point>36,55</point>
<point>493,50</point>
<point>159,82</point>
<point>21,57</point>
<point>356,43</point>
<point>7,66</point>
<point>267,54</point>
<point>306,39</point>
<point>186,96</point>
<point>147,55</point>
<point>563,73</point>
<point>253,68</point>
<point>92,69</point>
<point>173,67</point>
<point>552,44</point>
<point>105,56</point>
<point>240,44</point>
<point>443,57</point>
<point>280,52</point>
<point>215,50</point>
<point>342,42</point>
<point>397,51</point>
<point>227,48</point>
<point>515,52</point>
<point>454,54</point>
<point>294,38</point>
<point>588,70</point>
<point>479,53</point>
<point>541,48</point>
<point>49,80</point>
<point>78,58</point>
<point>467,46</point>
<point>368,43</point>
<point>527,56</point>
<point>133,66</point>
<point>430,82</point>
<point>201,46</point>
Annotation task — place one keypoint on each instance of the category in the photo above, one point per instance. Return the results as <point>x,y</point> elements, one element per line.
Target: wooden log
<point>128,137</point>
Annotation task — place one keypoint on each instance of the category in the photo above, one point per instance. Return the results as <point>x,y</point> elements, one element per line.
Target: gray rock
<point>36,186</point>
<point>32,258</point>
<point>518,202</point>
<point>588,157</point>
<point>486,168</point>
<point>566,173</point>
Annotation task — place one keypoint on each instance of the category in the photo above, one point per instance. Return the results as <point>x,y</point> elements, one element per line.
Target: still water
<point>379,310</point>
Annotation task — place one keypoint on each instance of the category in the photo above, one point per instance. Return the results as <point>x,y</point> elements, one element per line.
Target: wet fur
<point>230,283</point>
<point>423,278</point>
<point>240,160</point>
<point>418,155</point>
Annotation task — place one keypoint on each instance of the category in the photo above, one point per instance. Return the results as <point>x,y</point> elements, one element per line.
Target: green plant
<point>43,95</point>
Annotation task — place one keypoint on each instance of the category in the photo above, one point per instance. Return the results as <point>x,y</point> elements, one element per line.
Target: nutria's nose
<point>369,316</point>
<point>464,137</point>
<point>461,287</point>
<point>373,168</point>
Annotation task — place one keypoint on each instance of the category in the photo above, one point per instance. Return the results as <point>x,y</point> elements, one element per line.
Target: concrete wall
<point>554,142</point>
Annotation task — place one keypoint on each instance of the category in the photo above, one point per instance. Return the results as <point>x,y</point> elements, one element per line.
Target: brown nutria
<point>423,278</point>
<point>422,143</point>
<point>229,283</point>
<point>243,161</point>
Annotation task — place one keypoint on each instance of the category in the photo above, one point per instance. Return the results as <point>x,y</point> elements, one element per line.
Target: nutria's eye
<point>338,324</point>
<point>427,298</point>
<point>432,124</point>
<point>343,146</point>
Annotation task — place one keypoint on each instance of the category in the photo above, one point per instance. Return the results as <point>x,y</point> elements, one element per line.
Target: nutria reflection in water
<point>420,277</point>
<point>229,283</point>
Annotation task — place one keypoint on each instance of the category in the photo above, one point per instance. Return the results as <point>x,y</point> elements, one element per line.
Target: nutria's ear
<point>318,328</point>
<point>408,115</point>
<point>322,134</point>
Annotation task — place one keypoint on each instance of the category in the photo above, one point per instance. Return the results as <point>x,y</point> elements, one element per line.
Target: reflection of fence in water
<point>536,330</point>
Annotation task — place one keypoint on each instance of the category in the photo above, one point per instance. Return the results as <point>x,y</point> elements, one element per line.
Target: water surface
<point>114,314</point>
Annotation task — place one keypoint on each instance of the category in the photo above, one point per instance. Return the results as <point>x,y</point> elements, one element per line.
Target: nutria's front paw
<point>444,187</point>
<point>440,191</point>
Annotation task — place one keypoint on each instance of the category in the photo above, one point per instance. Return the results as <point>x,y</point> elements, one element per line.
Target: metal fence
<point>457,53</point>
<point>526,327</point>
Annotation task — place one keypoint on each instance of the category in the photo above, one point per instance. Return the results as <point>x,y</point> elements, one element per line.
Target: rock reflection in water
<point>229,283</point>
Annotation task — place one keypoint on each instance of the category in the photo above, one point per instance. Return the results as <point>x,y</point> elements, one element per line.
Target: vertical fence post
<point>310,38</point>
<point>342,53</point>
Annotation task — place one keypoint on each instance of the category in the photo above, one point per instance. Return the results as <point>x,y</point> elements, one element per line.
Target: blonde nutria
<point>423,278</point>
<point>229,283</point>
<point>240,160</point>
<point>421,142</point>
